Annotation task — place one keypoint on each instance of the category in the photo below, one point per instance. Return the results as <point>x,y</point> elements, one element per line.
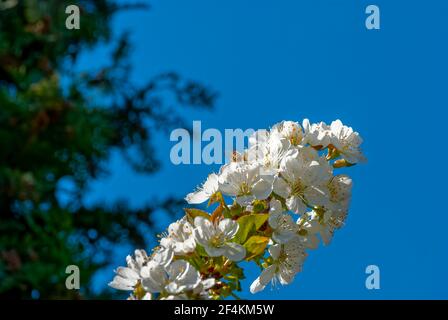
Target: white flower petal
<point>286,276</point>
<point>336,127</point>
<point>256,286</point>
<point>312,226</point>
<point>281,188</point>
<point>211,184</point>
<point>154,279</point>
<point>228,227</point>
<point>203,193</point>
<point>310,241</point>
<point>204,230</point>
<point>275,251</point>
<point>147,296</point>
<point>208,283</point>
<point>163,256</point>
<point>245,200</point>
<point>197,197</point>
<point>127,273</point>
<point>282,237</point>
<point>183,276</point>
<point>140,256</point>
<point>262,189</point>
<point>296,205</point>
<point>120,283</point>
<point>234,251</point>
<point>274,219</point>
<point>317,196</point>
<point>214,251</point>
<point>151,285</point>
<point>267,274</point>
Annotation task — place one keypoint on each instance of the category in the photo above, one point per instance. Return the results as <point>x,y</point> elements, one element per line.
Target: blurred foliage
<point>58,124</point>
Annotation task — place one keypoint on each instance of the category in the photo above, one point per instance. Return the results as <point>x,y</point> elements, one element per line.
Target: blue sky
<point>287,60</point>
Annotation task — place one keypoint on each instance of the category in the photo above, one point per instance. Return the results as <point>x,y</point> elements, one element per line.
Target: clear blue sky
<point>286,60</point>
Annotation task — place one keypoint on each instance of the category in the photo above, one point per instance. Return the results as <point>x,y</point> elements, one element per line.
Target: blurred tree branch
<point>57,123</point>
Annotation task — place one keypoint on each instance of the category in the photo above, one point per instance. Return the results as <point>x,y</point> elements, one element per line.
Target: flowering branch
<point>286,171</point>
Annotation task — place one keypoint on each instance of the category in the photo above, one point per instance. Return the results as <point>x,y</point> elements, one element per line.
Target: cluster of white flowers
<point>161,274</point>
<point>285,197</point>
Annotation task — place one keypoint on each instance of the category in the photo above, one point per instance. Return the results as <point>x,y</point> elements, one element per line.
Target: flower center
<point>282,258</point>
<point>286,225</point>
<point>294,137</point>
<point>244,189</point>
<point>217,241</point>
<point>297,188</point>
<point>333,192</point>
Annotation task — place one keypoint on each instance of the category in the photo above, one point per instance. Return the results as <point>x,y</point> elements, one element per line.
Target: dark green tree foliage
<point>56,124</point>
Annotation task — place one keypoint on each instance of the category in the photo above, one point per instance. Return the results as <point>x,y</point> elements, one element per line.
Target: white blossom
<point>128,277</point>
<point>347,142</point>
<point>146,296</point>
<point>204,192</point>
<point>216,238</point>
<point>316,134</point>
<point>269,151</point>
<point>287,169</point>
<point>340,188</point>
<point>284,227</point>
<point>308,230</point>
<point>326,223</point>
<point>287,262</point>
<point>302,182</point>
<point>259,137</point>
<point>289,130</point>
<point>180,237</point>
<point>174,279</point>
<point>202,290</point>
<point>244,182</point>
<point>163,256</point>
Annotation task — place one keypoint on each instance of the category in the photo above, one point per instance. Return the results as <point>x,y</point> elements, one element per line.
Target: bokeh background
<point>254,63</point>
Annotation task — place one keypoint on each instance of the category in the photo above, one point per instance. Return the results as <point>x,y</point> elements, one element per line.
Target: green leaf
<point>235,210</point>
<point>255,246</point>
<point>193,213</point>
<point>248,225</point>
<point>201,251</point>
<point>259,206</point>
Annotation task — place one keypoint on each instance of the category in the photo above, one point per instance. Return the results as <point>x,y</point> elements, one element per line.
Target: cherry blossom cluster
<point>270,204</point>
